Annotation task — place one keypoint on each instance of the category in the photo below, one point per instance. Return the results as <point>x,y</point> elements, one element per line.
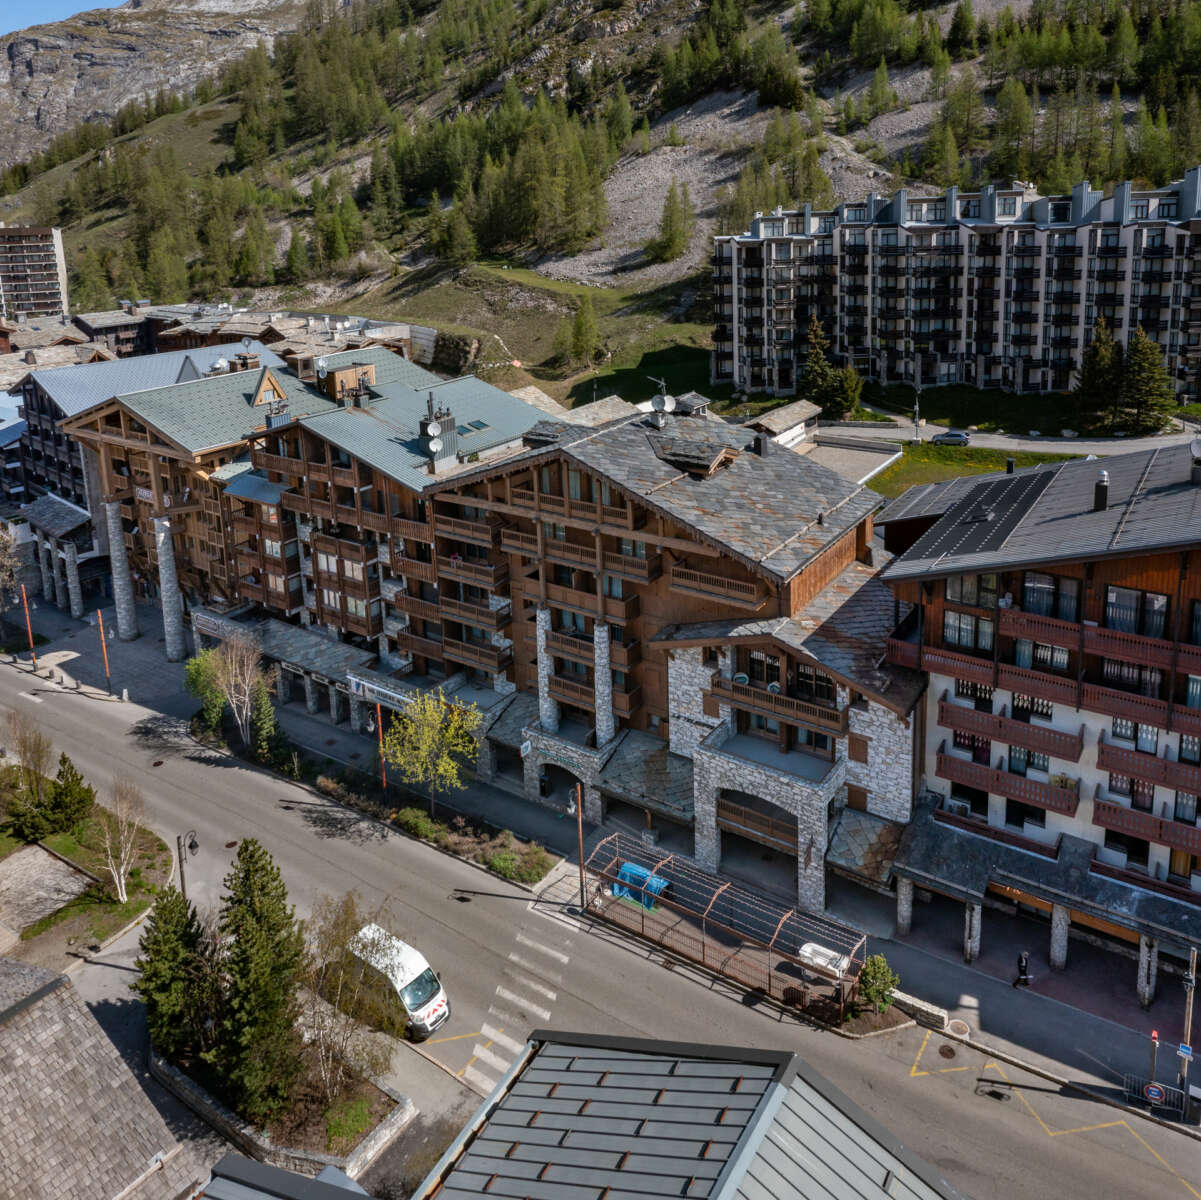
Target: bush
<point>345,1122</point>
<point>59,808</point>
<point>877,982</point>
<point>504,863</point>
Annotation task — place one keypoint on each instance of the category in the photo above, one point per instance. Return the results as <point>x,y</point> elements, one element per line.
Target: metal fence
<point>728,929</point>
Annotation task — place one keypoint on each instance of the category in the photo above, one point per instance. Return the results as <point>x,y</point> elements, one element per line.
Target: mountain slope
<point>53,76</point>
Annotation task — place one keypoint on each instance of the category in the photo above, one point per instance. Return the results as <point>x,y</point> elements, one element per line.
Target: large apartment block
<point>995,288</point>
<point>33,271</point>
<point>1056,613</point>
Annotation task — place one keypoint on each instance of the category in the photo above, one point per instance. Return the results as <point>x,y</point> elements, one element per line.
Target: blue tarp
<point>638,884</point>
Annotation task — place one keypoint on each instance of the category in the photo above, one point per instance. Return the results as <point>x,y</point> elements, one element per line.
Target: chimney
<point>762,444</point>
<point>1010,463</point>
<point>31,360</point>
<point>1101,492</point>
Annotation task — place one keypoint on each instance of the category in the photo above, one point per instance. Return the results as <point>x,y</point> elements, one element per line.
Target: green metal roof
<point>390,367</point>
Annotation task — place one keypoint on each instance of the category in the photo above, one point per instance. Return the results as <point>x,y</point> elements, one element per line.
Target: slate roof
<point>111,319</point>
<point>42,331</point>
<point>765,509</point>
<point>14,367</point>
<point>255,486</point>
<point>521,711</point>
<point>11,432</point>
<point>582,1117</point>
<point>384,433</point>
<point>218,410</point>
<point>76,1121</point>
<point>786,417</point>
<point>54,516</point>
<point>643,771</point>
<point>76,389</point>
<point>844,628</point>
<point>1046,515</point>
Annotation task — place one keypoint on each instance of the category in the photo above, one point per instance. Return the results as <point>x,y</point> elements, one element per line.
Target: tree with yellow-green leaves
<point>429,743</point>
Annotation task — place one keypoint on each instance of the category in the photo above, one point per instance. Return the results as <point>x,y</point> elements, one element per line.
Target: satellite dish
<point>322,364</point>
<point>246,343</point>
<point>669,404</point>
<point>434,428</point>
<point>657,402</point>
<point>435,445</point>
<point>220,364</point>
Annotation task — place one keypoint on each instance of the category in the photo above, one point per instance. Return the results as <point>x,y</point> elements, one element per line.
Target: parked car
<point>952,437</point>
<point>401,982</point>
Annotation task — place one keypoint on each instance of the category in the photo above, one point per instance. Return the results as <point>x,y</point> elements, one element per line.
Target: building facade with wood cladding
<point>680,615</point>
<point>1056,612</point>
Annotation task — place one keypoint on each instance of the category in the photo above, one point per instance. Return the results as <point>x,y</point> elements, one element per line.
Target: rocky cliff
<point>52,76</point>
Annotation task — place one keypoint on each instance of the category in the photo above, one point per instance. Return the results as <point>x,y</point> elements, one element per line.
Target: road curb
<point>429,1058</point>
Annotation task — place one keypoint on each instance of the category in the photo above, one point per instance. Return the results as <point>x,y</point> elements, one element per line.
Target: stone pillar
<point>810,871</point>
<point>168,584</point>
<point>356,714</point>
<point>548,706</point>
<point>904,905</point>
<point>283,684</point>
<point>594,806</point>
<point>1061,921</point>
<point>127,612</point>
<point>74,589</point>
<point>606,725</point>
<point>485,759</point>
<point>706,838</point>
<point>47,569</point>
<point>1148,968</point>
<point>337,705</point>
<point>971,932</point>
<point>531,771</point>
<point>310,694</point>
<point>60,581</point>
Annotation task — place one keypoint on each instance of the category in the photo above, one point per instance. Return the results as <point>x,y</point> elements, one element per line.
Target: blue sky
<point>20,14</point>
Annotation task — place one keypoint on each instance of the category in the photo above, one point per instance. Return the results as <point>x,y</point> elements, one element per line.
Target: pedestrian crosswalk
<point>525,997</point>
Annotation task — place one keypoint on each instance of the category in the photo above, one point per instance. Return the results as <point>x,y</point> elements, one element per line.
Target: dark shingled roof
<point>1046,515</point>
<point>582,1117</point>
<point>54,516</point>
<point>643,770</point>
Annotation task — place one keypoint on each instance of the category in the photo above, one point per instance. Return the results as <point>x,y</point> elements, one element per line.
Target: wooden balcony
<point>1166,772</point>
<point>476,614</point>
<point>278,462</point>
<point>570,692</point>
<point>478,533</point>
<point>482,574</point>
<point>937,659</point>
<point>424,609</point>
<point>1040,684</point>
<point>566,645</point>
<point>630,566</point>
<point>1005,783</point>
<point>980,827</point>
<point>616,608</point>
<point>1000,728</point>
<point>827,718</point>
<point>776,832</point>
<point>473,654</point>
<point>252,589</point>
<point>417,531</point>
<point>413,568</point>
<point>244,524</point>
<point>377,522</point>
<point>1143,709</point>
<point>1013,622</point>
<point>901,653</point>
<point>625,703</point>
<point>743,593</point>
<point>1128,647</point>
<point>1143,880</point>
<point>414,643</point>
<point>1145,825</point>
<point>516,542</point>
<point>624,656</point>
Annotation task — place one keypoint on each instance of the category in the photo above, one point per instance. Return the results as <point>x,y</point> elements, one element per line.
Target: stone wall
<point>584,762</point>
<point>887,776</point>
<point>688,679</point>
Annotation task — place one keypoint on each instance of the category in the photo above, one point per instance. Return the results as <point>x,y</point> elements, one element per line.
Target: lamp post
<point>577,808</point>
<point>185,844</point>
<point>917,412</point>
<point>1190,984</point>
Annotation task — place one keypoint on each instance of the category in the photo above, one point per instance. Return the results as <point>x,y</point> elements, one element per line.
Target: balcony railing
<point>490,658</point>
<point>417,531</point>
<point>570,692</point>
<point>626,702</point>
<point>475,614</point>
<point>1049,796</point>
<point>901,653</point>
<point>1002,728</point>
<point>414,643</point>
<point>1040,684</point>
<point>1147,826</point>
<point>567,645</point>
<point>980,827</point>
<point>482,574</point>
<point>1129,647</point>
<point>480,533</point>
<point>630,566</point>
<point>776,832</point>
<point>413,568</point>
<point>962,666</point>
<point>1013,622</point>
<point>1142,709</point>
<point>417,608</point>
<point>775,704</point>
<point>736,591</point>
<point>1167,772</point>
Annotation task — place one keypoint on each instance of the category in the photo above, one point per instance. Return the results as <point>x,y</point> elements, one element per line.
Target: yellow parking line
<point>458,1037</point>
<point>914,1073</point>
<point>487,1046</point>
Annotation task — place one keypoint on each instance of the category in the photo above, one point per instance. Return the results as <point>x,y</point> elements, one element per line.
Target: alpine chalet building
<point>996,288</point>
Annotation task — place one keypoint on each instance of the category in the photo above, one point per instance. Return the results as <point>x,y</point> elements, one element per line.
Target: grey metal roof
<point>786,417</point>
<point>218,410</point>
<point>54,516</point>
<point>1046,515</point>
<point>12,432</point>
<point>384,433</point>
<point>254,485</point>
<point>390,367</point>
<point>237,1178</point>
<point>76,389</point>
<point>581,1117</point>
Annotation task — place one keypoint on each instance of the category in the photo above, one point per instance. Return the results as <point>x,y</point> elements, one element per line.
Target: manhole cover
<point>158,762</point>
<point>230,845</point>
<point>288,807</point>
<point>959,1028</point>
<point>463,899</point>
<point>947,1051</point>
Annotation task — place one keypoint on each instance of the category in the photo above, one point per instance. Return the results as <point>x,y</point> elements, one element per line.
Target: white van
<point>403,972</point>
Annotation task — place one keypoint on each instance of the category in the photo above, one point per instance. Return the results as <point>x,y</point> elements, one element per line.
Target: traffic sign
<point>1154,1092</point>
<point>1185,1052</point>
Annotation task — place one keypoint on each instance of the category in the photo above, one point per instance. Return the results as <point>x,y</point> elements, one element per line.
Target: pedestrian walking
<point>1023,979</point>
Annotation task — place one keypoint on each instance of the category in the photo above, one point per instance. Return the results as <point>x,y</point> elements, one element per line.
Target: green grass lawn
<point>930,464</point>
<point>991,411</point>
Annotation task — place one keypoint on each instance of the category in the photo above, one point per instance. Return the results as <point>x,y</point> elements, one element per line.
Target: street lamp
<point>575,808</point>
<point>917,412</point>
<point>185,844</point>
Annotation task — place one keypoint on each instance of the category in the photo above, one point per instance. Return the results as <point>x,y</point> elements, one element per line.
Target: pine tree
<point>336,248</point>
<point>167,950</point>
<point>258,1050</point>
<point>818,385</point>
<point>1098,380</point>
<point>1147,394</point>
<point>675,225</point>
<point>166,270</point>
<point>70,798</point>
<point>961,37</point>
<point>618,118</point>
<point>459,245</point>
<point>296,265</point>
<point>584,336</point>
<point>264,731</point>
<point>1117,136</point>
<point>880,96</point>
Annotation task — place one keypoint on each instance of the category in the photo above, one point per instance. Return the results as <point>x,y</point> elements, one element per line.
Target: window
<point>1007,206</point>
<point>611,586</point>
<point>915,212</point>
<point>275,582</point>
<point>1025,707</point>
<point>356,607</point>
<point>1018,814</point>
<point>856,798</point>
<point>1135,849</point>
<point>330,599</point>
<point>1148,739</point>
<point>1123,729</point>
<point>978,590</point>
<point>857,748</point>
<point>967,631</point>
<point>1050,596</point>
<point>556,533</point>
<point>1040,655</point>
<point>1186,808</point>
<point>1022,760</point>
<point>1190,748</point>
<point>1192,694</point>
<point>353,570</point>
<point>980,748</point>
<point>807,683</point>
<point>630,548</point>
<point>814,742</point>
<point>1061,212</point>
<point>1130,677</point>
<point>272,548</point>
<point>1131,611</point>
<point>764,668</point>
<point>327,563</point>
<point>1139,209</point>
<point>1119,785</point>
<point>765,726</point>
<point>981,693</point>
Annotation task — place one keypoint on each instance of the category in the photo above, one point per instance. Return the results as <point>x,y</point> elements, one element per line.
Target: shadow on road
<point>330,820</point>
<point>163,734</point>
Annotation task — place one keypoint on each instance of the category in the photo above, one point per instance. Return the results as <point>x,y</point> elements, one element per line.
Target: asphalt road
<point>511,966</point>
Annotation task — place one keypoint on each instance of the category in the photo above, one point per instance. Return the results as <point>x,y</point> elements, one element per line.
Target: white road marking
<point>501,1039</point>
<point>523,1003</point>
<point>535,970</point>
<point>526,981</point>
<point>483,1083</point>
<point>533,945</point>
<point>493,1059</point>
<point>504,1016</point>
<point>28,696</point>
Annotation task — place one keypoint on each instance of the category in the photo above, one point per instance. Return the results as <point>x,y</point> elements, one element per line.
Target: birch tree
<point>121,823</point>
<point>238,673</point>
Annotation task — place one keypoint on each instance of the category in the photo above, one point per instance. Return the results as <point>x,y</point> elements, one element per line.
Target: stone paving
<point>34,884</point>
